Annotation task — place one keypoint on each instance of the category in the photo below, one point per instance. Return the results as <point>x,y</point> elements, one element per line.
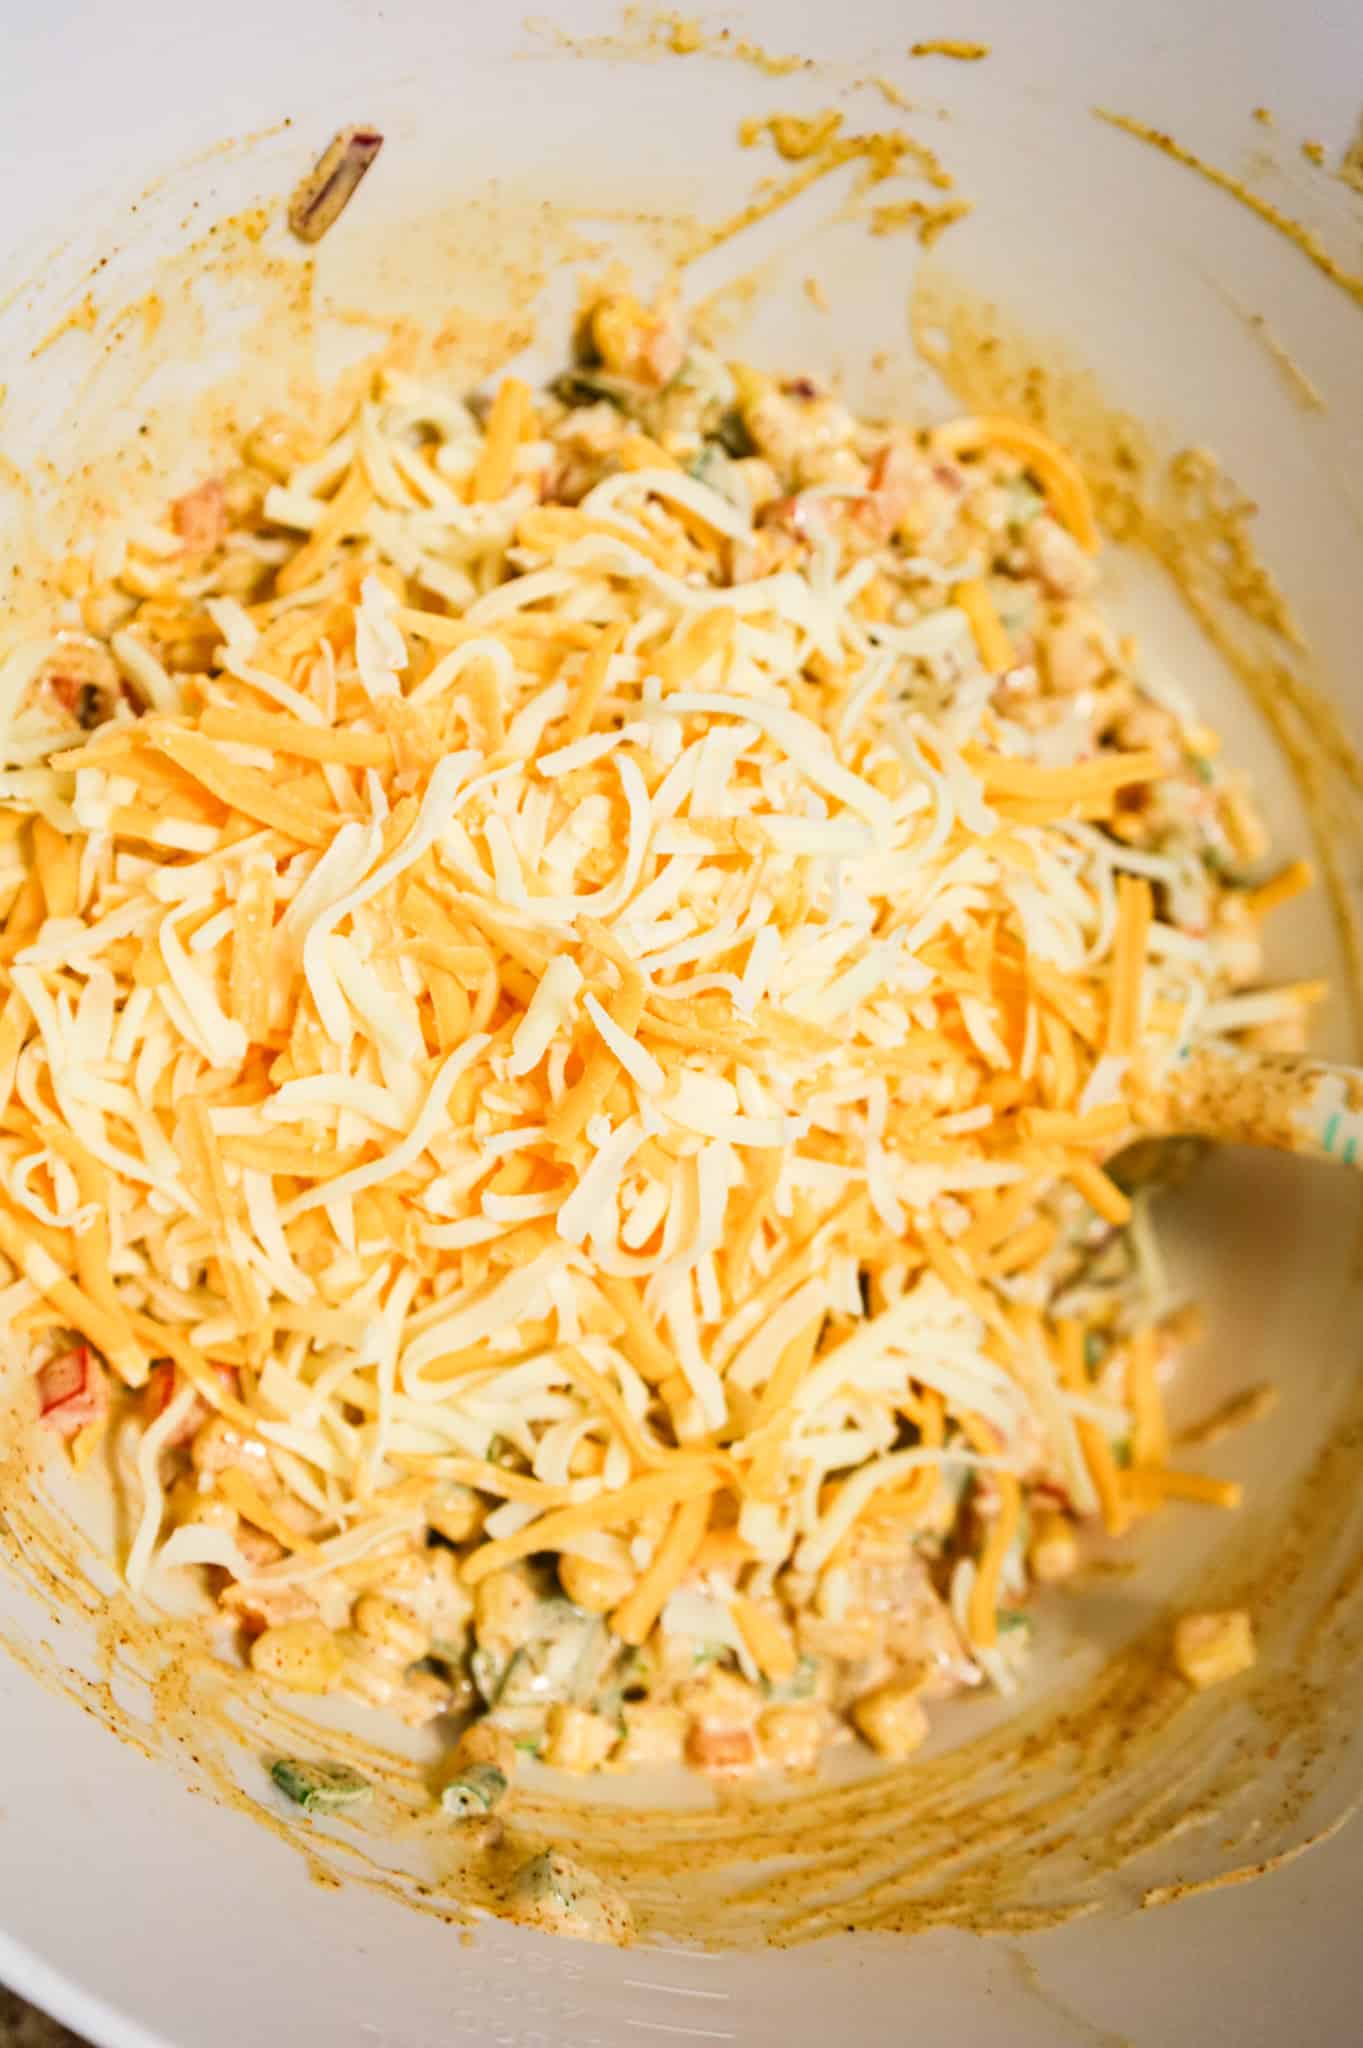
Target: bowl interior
<point>150,300</point>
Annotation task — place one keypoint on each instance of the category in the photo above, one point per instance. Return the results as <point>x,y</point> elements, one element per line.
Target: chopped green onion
<point>320,1787</point>
<point>549,1879</point>
<point>474,1792</point>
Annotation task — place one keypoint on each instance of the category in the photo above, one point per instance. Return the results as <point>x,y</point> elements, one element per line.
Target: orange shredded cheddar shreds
<point>1150,1434</point>
<point>1098,1188</point>
<point>591,683</point>
<point>1148,1486</point>
<point>343,515</point>
<point>241,789</point>
<point>511,409</point>
<point>25,913</point>
<point>791,1368</point>
<point>1075,1004</point>
<point>1019,1254</point>
<point>237,1489</point>
<point>606,1511</point>
<point>1102,1466</point>
<point>641,1340</point>
<point>292,736</point>
<point>93,1245</point>
<point>1002,1532</point>
<point>87,1442</point>
<point>453,1012</point>
<point>1284,887</point>
<point>1063,1068</point>
<point>108,1334</point>
<point>634,1619</point>
<point>56,863</point>
<point>913,1503</point>
<point>1061,1127</point>
<point>253,924</point>
<point>500,1481</point>
<point>1057,472</point>
<point>1002,775</point>
<point>637,451</point>
<point>995,648</point>
<point>721,1550</point>
<point>479,681</point>
<point>13,1031</point>
<point>585,1099</point>
<point>710,634</point>
<point>242,1289</point>
<point>642,1448</point>
<point>996,1219</point>
<point>769,1641</point>
<point>954,1277</point>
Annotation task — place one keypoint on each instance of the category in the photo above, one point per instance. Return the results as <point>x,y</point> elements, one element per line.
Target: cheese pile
<point>540,1006</point>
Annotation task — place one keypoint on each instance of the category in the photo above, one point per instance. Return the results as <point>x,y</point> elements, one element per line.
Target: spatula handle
<point>1283,1100</point>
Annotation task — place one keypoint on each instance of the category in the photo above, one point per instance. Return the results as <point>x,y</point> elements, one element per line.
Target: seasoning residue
<point>1235,1413</point>
<point>1305,238</point>
<point>820,140</point>
<point>945,46</point>
<point>892,93</point>
<point>646,33</point>
<point>1295,377</point>
<point>928,222</point>
<point>819,144</point>
<point>1350,170</point>
<point>1247,1873</point>
<point>80,320</point>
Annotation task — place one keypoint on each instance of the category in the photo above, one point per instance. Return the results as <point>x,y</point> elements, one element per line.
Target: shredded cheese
<point>622,1005</point>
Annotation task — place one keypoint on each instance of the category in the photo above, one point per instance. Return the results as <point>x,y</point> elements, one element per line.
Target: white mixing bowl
<point>141,141</point>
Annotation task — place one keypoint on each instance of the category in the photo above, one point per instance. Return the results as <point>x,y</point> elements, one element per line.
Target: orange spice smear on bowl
<point>570,980</point>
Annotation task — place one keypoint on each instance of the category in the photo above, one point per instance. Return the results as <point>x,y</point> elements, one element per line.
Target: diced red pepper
<point>791,514</point>
<point>163,1384</point>
<point>892,483</point>
<point>200,517</point>
<point>72,1391</point>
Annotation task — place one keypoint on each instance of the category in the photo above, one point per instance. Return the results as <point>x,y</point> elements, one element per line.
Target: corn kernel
<point>729,1751</point>
<point>654,1734</point>
<point>791,1737</point>
<point>892,1719</point>
<point>720,1699</point>
<point>483,1743</point>
<point>457,1515</point>
<point>1211,1647</point>
<point>391,1629</point>
<point>504,1606</point>
<point>597,1587</point>
<point>615,324</point>
<point>1053,1553</point>
<point>303,1655</point>
<point>576,1740</point>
